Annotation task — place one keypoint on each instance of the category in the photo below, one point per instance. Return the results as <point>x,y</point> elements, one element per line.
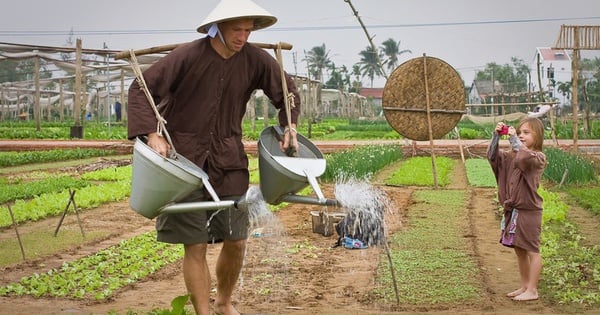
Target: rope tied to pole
<point>161,129</point>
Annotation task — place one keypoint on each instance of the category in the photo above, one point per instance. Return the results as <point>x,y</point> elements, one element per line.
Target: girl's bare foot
<point>516,292</point>
<point>526,296</point>
<point>225,309</point>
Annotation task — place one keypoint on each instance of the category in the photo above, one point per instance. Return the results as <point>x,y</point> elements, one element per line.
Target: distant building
<point>555,68</point>
<point>374,98</point>
<point>483,92</point>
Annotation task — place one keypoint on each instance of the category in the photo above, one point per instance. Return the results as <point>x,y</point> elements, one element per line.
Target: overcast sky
<point>467,34</point>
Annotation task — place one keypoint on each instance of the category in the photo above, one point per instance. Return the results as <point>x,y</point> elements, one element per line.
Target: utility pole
<point>373,47</point>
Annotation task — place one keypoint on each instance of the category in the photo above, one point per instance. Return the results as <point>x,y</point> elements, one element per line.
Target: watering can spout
<point>242,203</point>
<point>310,200</point>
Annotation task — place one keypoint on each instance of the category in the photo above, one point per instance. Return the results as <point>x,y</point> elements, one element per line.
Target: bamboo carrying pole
<point>159,49</point>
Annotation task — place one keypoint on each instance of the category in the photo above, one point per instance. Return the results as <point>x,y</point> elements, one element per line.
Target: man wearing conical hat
<point>202,88</point>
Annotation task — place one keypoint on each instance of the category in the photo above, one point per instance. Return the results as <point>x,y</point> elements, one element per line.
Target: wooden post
<point>430,128</point>
<point>37,113</point>
<point>123,105</point>
<point>574,92</point>
<point>460,146</point>
<point>60,221</point>
<point>61,106</point>
<point>12,217</point>
<point>78,79</point>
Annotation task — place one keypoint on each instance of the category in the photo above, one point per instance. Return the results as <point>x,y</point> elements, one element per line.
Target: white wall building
<point>555,67</point>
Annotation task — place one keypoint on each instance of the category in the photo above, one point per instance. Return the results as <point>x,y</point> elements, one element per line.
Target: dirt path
<point>297,273</point>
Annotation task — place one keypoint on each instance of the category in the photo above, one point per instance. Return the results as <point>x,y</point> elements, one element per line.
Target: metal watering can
<point>159,184</point>
<point>281,176</point>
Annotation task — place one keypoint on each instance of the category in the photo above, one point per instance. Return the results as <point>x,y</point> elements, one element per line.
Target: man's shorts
<point>203,226</point>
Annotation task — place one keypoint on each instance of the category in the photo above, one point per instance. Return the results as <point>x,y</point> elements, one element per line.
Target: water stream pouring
<point>282,177</point>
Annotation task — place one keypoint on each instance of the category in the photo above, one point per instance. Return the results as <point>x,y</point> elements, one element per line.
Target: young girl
<point>518,172</point>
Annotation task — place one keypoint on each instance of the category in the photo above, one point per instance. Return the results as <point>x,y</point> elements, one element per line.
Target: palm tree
<point>564,88</point>
<point>369,63</point>
<point>318,59</point>
<point>391,49</point>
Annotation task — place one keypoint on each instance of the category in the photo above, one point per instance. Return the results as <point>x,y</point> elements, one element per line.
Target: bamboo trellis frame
<point>586,37</point>
<point>576,38</point>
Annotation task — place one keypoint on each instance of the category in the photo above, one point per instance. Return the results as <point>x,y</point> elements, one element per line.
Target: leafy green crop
<point>26,190</point>
<point>19,158</point>
<point>360,161</point>
<point>99,275</point>
<point>54,203</point>
<point>419,171</point>
<point>571,273</point>
<point>479,173</point>
<point>579,169</point>
<point>429,256</point>
<point>109,174</point>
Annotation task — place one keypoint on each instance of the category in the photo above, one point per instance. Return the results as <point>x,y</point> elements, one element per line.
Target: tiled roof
<point>371,92</point>
<point>550,54</point>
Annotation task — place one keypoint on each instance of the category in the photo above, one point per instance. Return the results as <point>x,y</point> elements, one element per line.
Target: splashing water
<point>365,208</point>
<point>262,220</point>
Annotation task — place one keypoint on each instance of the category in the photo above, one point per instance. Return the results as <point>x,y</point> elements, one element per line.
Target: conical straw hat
<point>234,9</point>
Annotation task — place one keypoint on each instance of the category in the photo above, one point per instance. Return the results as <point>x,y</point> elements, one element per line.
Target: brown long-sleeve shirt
<point>206,102</point>
<point>518,173</point>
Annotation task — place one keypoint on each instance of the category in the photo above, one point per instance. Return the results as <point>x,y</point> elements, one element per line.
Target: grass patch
<point>418,171</point>
<point>587,197</point>
<point>479,173</point>
<point>40,243</point>
<point>430,259</point>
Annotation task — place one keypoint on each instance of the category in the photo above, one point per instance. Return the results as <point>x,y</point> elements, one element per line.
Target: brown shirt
<point>518,175</point>
<point>206,98</point>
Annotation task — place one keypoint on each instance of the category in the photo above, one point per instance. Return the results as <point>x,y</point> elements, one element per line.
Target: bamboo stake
<point>434,168</point>
<point>12,217</point>
<point>159,49</point>
<point>460,146</point>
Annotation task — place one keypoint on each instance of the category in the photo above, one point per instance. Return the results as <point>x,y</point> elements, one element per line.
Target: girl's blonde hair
<point>537,127</point>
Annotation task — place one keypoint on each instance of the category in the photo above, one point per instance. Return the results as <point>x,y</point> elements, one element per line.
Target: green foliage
<point>360,161</point>
<point>468,133</point>
<point>61,130</point>
<point>49,204</point>
<point>101,274</point>
<point>429,256</point>
<point>419,171</point>
<point>25,190</point>
<point>109,174</point>
<point>571,273</point>
<point>13,158</point>
<point>580,170</point>
<point>554,209</point>
<point>479,173</point>
<point>587,197</point>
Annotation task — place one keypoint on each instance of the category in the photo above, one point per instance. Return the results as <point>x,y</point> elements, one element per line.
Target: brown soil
<point>319,280</point>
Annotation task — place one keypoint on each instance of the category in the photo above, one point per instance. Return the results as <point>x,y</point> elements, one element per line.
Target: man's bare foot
<point>225,309</point>
<point>515,292</point>
<point>527,296</point>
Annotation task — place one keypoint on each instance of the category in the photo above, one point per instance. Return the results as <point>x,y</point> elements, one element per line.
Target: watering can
<point>282,176</point>
<point>159,183</point>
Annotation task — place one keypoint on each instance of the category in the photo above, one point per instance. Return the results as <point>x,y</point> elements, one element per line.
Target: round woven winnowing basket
<point>405,98</point>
